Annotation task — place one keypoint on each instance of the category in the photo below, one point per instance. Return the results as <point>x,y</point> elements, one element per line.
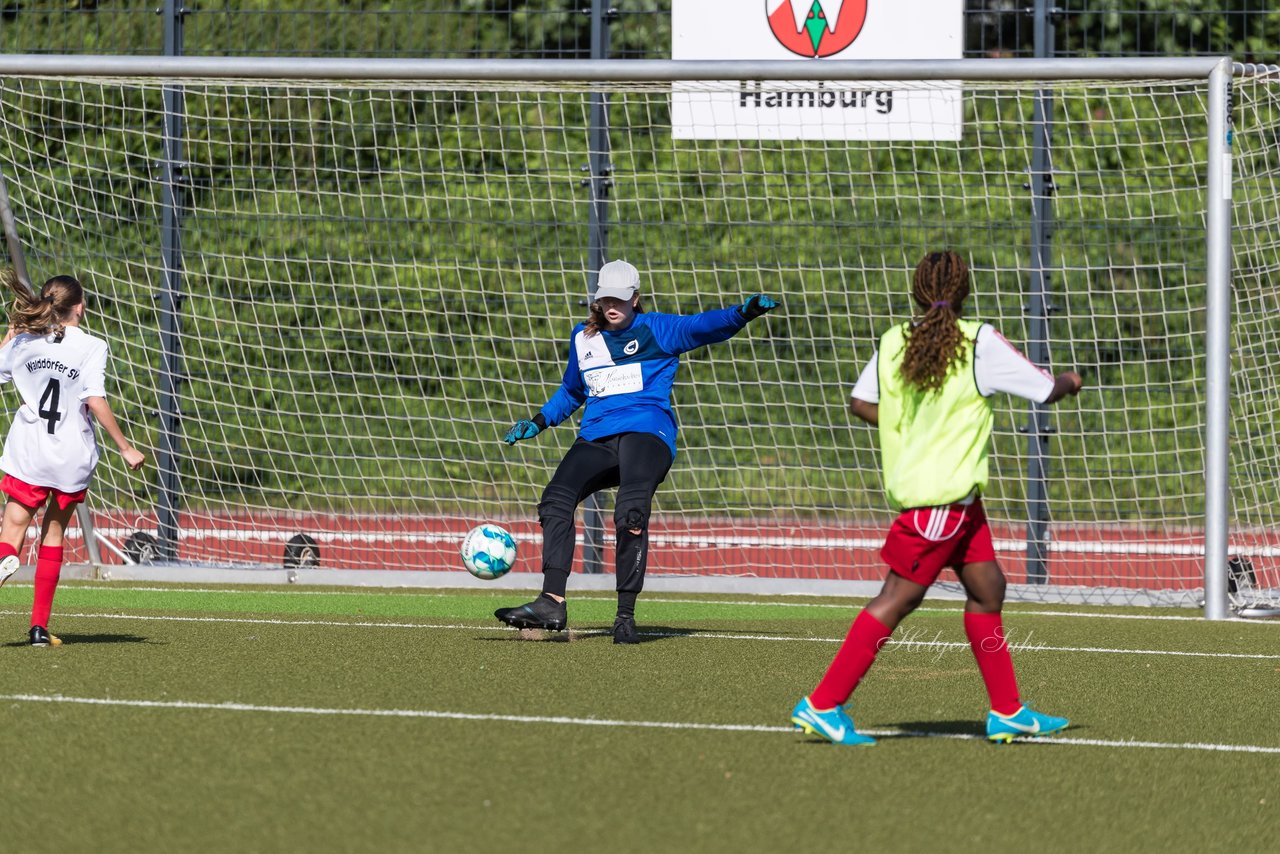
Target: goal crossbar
<point>645,70</point>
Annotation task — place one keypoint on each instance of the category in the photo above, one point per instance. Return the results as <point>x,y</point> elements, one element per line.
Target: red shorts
<point>35,496</point>
<point>922,542</point>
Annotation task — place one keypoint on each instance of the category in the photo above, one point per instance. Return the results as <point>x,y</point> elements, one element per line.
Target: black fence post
<point>173,178</point>
<point>1038,308</point>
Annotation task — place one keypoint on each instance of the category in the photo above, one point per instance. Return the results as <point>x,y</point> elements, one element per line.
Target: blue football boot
<point>834,725</point>
<point>1024,722</point>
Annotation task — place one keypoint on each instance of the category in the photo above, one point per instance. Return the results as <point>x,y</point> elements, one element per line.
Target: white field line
<point>661,600</point>
<point>907,642</point>
<point>187,705</point>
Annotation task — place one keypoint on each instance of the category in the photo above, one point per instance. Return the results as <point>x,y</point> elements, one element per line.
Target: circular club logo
<point>816,28</point>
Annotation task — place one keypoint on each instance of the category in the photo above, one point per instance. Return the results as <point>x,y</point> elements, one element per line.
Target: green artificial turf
<point>294,767</point>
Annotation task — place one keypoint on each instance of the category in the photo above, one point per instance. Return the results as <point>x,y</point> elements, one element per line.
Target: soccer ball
<point>488,551</point>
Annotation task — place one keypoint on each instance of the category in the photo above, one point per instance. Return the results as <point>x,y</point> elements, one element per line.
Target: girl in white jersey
<point>50,453</point>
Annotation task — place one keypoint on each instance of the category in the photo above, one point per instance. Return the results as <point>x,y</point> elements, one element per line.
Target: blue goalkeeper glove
<point>525,429</point>
<point>757,306</point>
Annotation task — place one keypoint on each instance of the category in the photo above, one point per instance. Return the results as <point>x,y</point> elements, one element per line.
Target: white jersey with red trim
<point>52,441</point>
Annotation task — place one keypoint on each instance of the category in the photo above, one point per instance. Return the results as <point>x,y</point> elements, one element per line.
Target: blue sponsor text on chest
<point>51,365</point>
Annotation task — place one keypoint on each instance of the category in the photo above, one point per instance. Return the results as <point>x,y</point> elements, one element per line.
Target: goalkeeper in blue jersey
<point>622,362</point>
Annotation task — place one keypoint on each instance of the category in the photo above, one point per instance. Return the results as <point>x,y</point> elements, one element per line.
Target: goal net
<point>377,279</point>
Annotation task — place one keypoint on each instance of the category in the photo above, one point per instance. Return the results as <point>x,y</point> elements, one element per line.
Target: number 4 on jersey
<point>49,404</point>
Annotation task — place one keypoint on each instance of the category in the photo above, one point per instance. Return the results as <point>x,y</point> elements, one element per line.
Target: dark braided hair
<point>46,312</point>
<point>935,342</point>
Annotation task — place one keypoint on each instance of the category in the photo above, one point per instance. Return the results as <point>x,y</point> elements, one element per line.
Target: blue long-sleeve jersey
<point>624,377</point>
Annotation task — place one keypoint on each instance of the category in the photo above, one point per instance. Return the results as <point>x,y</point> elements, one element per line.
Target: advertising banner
<point>817,31</point>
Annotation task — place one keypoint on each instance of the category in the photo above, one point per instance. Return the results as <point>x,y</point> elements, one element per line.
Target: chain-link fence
<point>1249,30</point>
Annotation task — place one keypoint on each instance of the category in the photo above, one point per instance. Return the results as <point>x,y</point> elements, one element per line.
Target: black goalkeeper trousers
<point>635,463</point>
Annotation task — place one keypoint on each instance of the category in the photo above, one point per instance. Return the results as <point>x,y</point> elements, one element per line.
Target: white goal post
<point>330,286</point>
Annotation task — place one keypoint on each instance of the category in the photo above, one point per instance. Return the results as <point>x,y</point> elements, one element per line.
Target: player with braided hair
<point>51,450</point>
<point>935,341</point>
<point>928,389</point>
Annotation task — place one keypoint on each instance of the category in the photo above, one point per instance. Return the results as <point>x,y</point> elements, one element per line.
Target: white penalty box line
<point>434,714</point>
<point>661,598</point>
<point>909,641</point>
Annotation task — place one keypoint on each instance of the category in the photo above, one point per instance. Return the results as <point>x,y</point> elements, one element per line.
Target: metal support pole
<point>1038,307</point>
<point>598,183</point>
<point>170,296</point>
<point>16,257</point>
<point>85,517</point>
<point>1217,344</point>
<point>589,70</point>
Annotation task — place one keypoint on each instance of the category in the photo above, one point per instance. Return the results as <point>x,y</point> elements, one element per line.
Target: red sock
<point>986,639</point>
<point>852,661</point>
<point>48,568</point>
<point>6,550</point>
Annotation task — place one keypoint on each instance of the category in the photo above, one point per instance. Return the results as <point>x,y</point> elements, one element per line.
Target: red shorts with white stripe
<point>924,541</point>
<point>35,496</point>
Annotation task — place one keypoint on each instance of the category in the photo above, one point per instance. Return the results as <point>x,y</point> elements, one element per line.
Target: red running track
<point>1080,555</point>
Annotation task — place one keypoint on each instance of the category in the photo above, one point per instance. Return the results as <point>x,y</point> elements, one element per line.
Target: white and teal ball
<point>488,551</point>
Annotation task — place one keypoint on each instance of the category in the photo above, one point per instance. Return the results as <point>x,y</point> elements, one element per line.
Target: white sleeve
<point>999,366</point>
<point>94,373</point>
<point>867,388</point>
<point>6,359</point>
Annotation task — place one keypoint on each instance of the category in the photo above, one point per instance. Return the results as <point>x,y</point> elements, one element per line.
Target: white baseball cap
<point>619,280</point>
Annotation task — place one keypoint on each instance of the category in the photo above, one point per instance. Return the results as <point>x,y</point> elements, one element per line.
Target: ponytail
<point>46,313</point>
